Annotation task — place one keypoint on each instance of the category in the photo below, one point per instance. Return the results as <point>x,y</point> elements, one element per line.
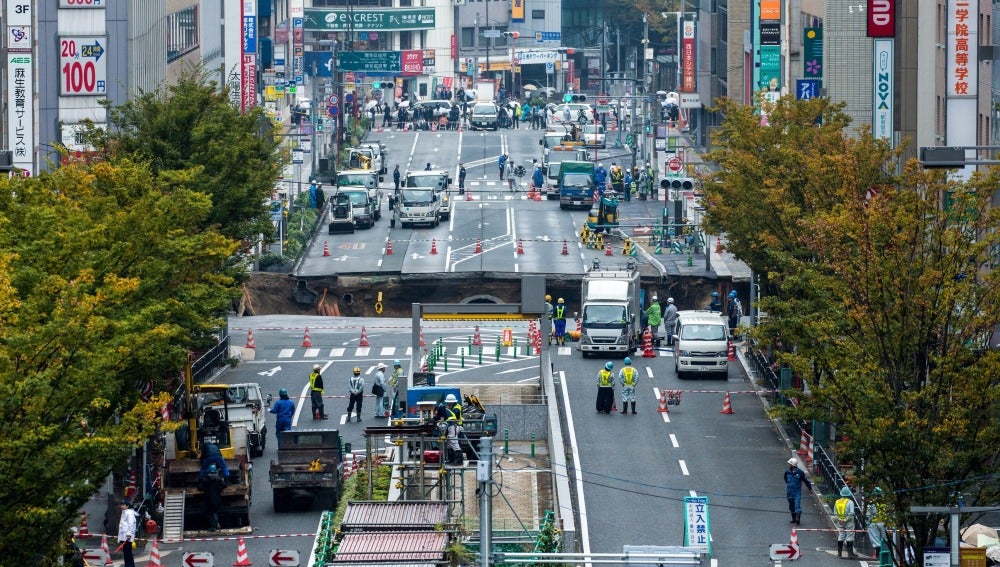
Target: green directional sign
<point>384,19</point>
<point>374,62</point>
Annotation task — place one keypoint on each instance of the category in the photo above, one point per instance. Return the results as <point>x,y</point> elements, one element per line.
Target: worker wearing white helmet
<point>378,390</point>
<point>794,479</point>
<point>453,409</point>
<point>670,320</point>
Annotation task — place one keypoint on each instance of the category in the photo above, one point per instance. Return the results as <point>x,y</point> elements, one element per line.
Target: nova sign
<point>881,18</point>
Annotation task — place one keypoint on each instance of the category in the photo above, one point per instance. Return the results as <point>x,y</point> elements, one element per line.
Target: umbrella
<point>661,93</point>
<point>973,533</point>
<point>371,104</point>
<point>529,87</point>
<point>403,104</point>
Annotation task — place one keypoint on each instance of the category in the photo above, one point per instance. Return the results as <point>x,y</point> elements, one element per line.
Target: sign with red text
<point>83,66</point>
<point>962,78</point>
<point>881,18</point>
<point>687,57</point>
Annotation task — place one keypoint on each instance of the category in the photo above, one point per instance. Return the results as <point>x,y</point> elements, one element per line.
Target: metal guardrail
<point>202,368</point>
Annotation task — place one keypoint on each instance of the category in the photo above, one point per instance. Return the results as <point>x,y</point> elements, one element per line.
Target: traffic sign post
<point>779,551</point>
<point>674,164</point>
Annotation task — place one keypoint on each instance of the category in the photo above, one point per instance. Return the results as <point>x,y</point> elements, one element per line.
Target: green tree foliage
<point>191,126</point>
<point>883,290</point>
<point>107,278</point>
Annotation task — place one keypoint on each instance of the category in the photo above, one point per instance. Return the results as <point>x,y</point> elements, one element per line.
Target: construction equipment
<point>240,404</point>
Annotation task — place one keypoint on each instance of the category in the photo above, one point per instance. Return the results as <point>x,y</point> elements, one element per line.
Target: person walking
<point>126,532</point>
<point>794,479</point>
<point>396,178</point>
<point>502,164</point>
<point>715,305</point>
<point>397,373</point>
<point>386,116</point>
<point>843,517</point>
<point>461,179</point>
<point>628,376</point>
<point>316,393</point>
<point>378,390</point>
<point>283,410</point>
<point>559,321</point>
<point>734,310</point>
<point>606,388</point>
<point>654,316</point>
<point>212,486</point>
<point>670,321</point>
<point>356,393</point>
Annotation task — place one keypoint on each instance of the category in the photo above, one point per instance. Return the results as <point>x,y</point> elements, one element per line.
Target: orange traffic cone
<point>84,531</point>
<point>106,550</point>
<point>154,554</point>
<point>422,343</point>
<point>579,325</point>
<point>305,340</point>
<point>242,558</point>
<point>727,405</point>
<point>468,194</point>
<point>364,337</point>
<point>477,340</point>
<point>520,246</point>
<point>479,246</point>
<point>388,248</point>
<point>718,246</point>
<point>565,250</point>
<point>434,247</point>
<point>326,248</point>
<point>795,537</point>
<point>607,250</point>
<point>732,351</point>
<point>662,408</point>
<point>647,344</point>
<point>250,342</point>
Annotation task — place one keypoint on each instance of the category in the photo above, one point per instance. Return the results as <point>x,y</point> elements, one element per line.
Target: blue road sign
<point>548,36</point>
<point>332,111</point>
<point>806,88</point>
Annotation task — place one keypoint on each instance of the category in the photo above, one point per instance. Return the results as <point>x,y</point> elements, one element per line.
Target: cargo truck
<point>611,311</point>
<point>309,469</point>
<point>576,184</point>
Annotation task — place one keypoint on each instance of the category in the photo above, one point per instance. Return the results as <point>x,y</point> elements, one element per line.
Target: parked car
<point>441,107</point>
<point>558,114</point>
<point>593,136</point>
<point>483,116</point>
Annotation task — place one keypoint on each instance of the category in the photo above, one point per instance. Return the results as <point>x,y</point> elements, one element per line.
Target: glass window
<point>405,40</point>
<point>538,14</point>
<point>182,33</point>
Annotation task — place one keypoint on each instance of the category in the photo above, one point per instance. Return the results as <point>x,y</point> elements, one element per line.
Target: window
<point>182,33</point>
<point>538,14</point>
<point>405,40</point>
<point>468,37</point>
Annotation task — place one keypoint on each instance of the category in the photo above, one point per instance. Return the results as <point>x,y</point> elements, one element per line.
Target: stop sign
<point>674,164</point>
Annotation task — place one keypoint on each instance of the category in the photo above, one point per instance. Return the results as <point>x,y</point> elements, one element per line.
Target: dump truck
<point>203,432</point>
<point>611,312</point>
<point>240,404</point>
<point>576,184</point>
<point>309,470</point>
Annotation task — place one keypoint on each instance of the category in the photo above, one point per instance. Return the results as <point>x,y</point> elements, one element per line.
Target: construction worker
<point>670,321</point>
<point>453,448</point>
<point>559,321</point>
<point>715,305</point>
<point>453,409</point>
<point>606,388</point>
<point>876,514</point>
<point>843,517</point>
<point>538,178</point>
<point>628,376</point>
<point>397,372</point>
<point>356,393</point>
<point>794,479</point>
<point>653,318</point>
<point>734,310</point>
<point>627,187</point>
<point>548,306</point>
<point>617,178</point>
<point>601,178</point>
<point>365,161</point>
<point>316,393</point>
<point>651,181</point>
<point>283,410</point>
<point>378,390</point>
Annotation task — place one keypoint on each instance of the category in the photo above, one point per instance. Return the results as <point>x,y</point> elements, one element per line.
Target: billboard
<point>881,18</point>
<point>360,19</point>
<point>687,57</point>
<point>248,66</point>
<point>882,79</point>
<point>962,76</point>
<point>517,11</point>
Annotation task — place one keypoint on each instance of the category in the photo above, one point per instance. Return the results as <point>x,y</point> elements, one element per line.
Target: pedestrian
<point>627,187</point>
<point>794,479</point>
<point>427,167</point>
<point>601,178</point>
<point>715,305</point>
<point>670,321</point>
<point>283,410</point>
<point>316,393</point>
<point>378,390</point>
<point>606,388</point>
<point>516,116</point>
<point>875,513</point>
<point>212,486</point>
<point>356,393</point>
<point>386,116</point>
<point>628,376</point>
<point>502,164</point>
<point>453,448</point>
<point>395,177</point>
<point>461,179</point>
<point>654,316</point>
<point>397,373</point>
<point>126,532</point>
<point>734,310</point>
<point>843,517</point>
<point>559,321</point>
<point>537,178</point>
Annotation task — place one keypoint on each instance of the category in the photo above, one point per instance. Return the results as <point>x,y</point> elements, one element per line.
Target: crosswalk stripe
<point>388,351</point>
<point>565,351</point>
<point>286,353</point>
<point>311,353</point>
<point>337,352</point>
<point>362,351</point>
<point>409,351</point>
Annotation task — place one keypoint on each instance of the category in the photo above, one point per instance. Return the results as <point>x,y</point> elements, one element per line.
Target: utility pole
<point>340,103</point>
<point>604,49</point>
<point>315,118</point>
<point>489,42</point>
<point>475,53</point>
<point>645,82</point>
<point>484,475</point>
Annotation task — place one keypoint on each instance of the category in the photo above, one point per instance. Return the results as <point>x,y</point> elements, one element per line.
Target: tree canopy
<point>882,288</point>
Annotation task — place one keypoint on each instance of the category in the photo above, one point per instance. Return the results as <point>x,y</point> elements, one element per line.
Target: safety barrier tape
<point>218,538</point>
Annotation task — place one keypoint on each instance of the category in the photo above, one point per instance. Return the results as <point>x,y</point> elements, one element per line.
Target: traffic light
<point>512,34</point>
<point>566,50</point>
<point>649,128</point>
<point>578,97</point>
<point>376,85</point>
<point>682,183</point>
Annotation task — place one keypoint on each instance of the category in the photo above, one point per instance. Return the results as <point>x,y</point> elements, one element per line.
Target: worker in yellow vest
<point>843,517</point>
<point>606,388</point>
<point>628,376</point>
<point>559,321</point>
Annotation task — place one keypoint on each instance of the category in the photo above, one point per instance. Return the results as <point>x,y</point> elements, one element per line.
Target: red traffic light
<point>569,51</point>
<point>515,35</point>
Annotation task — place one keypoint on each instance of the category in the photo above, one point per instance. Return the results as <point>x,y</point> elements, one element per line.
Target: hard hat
<point>670,300</point>
<point>357,370</point>
<point>793,462</point>
<point>396,362</point>
<point>845,492</point>
<point>126,502</point>
<point>282,393</point>
<point>715,294</point>
<point>654,298</point>
<point>212,468</point>
<point>732,293</point>
<point>316,367</point>
<point>548,298</point>
<point>600,165</point>
<point>560,300</point>
<point>628,360</point>
<point>609,365</point>
<point>450,399</point>
<point>381,366</point>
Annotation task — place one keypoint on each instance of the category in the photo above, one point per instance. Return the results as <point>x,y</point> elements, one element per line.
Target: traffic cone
<point>326,248</point>
<point>565,250</point>
<point>106,550</point>
<point>718,246</point>
<point>305,340</point>
<point>434,247</point>
<point>647,344</point>
<point>154,554</point>
<point>468,193</point>
<point>84,531</point>
<point>479,246</point>
<point>662,408</point>
<point>242,558</point>
<point>388,248</point>
<point>364,337</point>
<point>795,537</point>
<point>607,250</point>
<point>422,343</point>
<point>520,246</point>
<point>477,340</point>
<point>634,250</point>
<point>579,325</point>
<point>614,406</point>
<point>727,405</point>
<point>250,342</point>
<point>732,351</point>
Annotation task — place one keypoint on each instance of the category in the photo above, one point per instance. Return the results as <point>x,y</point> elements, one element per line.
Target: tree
<point>107,277</point>
<point>884,286</point>
<point>191,126</point>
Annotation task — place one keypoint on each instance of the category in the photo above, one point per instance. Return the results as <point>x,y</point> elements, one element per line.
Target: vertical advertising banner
<point>248,69</point>
<point>688,83</point>
<point>962,76</point>
<point>881,18</point>
<point>298,51</point>
<point>517,11</point>
<point>812,53</point>
<point>882,80</point>
<point>770,10</point>
<point>20,86</point>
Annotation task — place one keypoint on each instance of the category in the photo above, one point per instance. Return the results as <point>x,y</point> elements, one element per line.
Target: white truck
<point>611,313</point>
<point>243,405</point>
<point>419,205</point>
<point>367,179</point>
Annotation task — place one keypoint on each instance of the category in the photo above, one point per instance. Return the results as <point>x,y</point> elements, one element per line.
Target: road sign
<point>83,69</point>
<point>492,33</point>
<point>332,111</point>
<point>297,156</point>
<point>674,164</point>
<point>332,100</point>
<point>198,559</point>
<point>283,558</point>
<point>550,67</point>
<point>95,556</point>
<point>779,551</point>
<point>602,99</point>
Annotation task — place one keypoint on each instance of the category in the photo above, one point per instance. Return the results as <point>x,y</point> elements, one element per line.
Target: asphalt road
<point>634,470</point>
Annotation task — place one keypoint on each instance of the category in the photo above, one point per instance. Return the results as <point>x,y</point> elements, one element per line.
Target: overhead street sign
<point>283,558</point>
<point>198,559</point>
<point>492,33</point>
<point>779,551</point>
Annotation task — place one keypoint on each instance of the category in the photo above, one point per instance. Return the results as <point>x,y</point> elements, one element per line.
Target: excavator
<point>205,431</point>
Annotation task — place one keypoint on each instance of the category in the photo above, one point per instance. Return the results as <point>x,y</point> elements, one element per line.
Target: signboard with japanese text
<point>696,526</point>
<point>770,33</point>
<point>21,111</point>
<point>83,66</point>
<point>882,80</point>
<point>248,67</point>
<point>770,9</point>
<point>412,62</point>
<point>430,61</point>
<point>298,62</point>
<point>517,11</point>
<point>806,89</point>
<point>372,62</point>
<point>770,68</point>
<point>528,57</point>
<point>881,18</point>
<point>812,52</point>
<point>369,20</point>
<point>962,77</point>
<point>81,3</point>
<point>687,57</point>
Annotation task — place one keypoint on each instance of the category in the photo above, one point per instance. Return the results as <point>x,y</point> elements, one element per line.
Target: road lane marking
<point>311,353</point>
<point>286,353</point>
<point>673,441</point>
<point>649,371</point>
<point>362,351</point>
<point>581,500</point>
<point>565,351</point>
<point>387,351</point>
<point>337,352</point>
<point>304,395</point>
<point>684,467</point>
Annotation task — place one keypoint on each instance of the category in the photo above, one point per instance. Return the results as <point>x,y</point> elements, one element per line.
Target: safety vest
<point>560,311</point>
<point>840,507</point>
<point>606,379</point>
<point>617,176</point>
<point>312,382</point>
<point>455,413</point>
<point>628,376</point>
<point>394,379</point>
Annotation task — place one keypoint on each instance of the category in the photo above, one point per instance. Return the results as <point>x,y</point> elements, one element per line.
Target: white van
<point>701,344</point>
